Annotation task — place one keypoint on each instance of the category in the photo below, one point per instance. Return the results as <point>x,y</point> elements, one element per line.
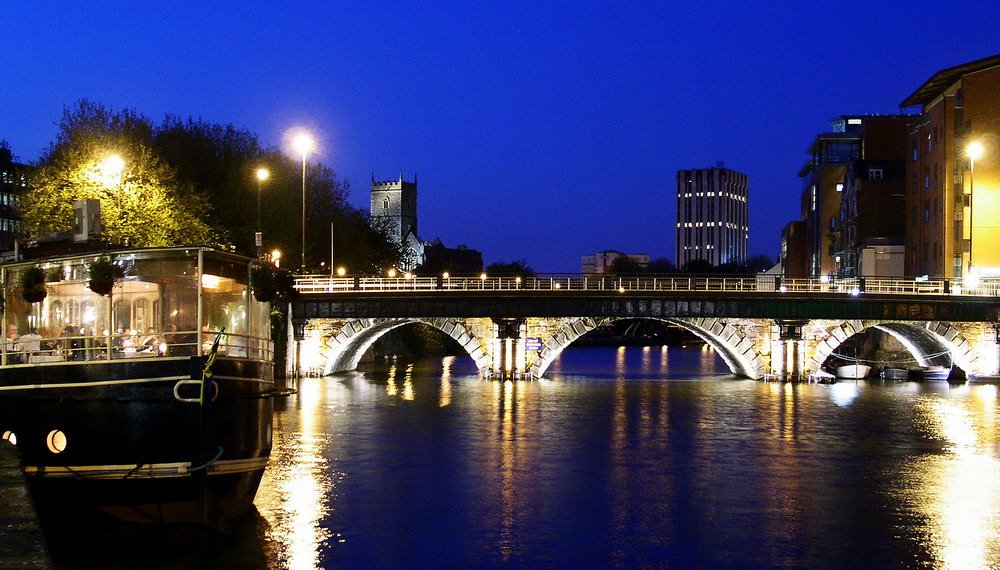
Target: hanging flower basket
<point>33,285</point>
<point>269,282</point>
<point>102,276</point>
<point>262,282</point>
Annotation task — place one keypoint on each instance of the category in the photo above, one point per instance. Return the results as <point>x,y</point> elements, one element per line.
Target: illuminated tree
<point>107,156</point>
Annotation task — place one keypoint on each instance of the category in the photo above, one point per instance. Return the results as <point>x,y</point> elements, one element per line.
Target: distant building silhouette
<point>712,215</point>
<point>457,261</point>
<point>602,261</point>
<point>14,181</point>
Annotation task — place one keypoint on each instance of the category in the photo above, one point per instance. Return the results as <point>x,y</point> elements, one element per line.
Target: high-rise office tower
<point>711,216</point>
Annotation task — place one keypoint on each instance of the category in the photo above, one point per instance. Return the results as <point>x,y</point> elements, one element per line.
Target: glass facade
<point>153,311</point>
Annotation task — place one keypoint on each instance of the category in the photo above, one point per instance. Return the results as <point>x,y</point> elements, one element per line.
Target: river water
<point>620,457</point>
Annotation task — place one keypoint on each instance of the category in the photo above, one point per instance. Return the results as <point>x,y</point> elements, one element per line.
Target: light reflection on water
<point>605,463</point>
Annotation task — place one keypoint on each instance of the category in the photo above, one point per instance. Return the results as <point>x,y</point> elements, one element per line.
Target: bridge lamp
<point>558,285</point>
<point>971,279</point>
<point>446,275</point>
<point>341,271</point>
<point>392,272</point>
<point>517,280</point>
<point>407,275</point>
<point>974,151</point>
<point>482,277</point>
<point>621,289</point>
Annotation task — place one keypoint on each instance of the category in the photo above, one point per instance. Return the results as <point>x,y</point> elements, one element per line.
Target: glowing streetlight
<point>262,175</point>
<point>446,275</point>
<point>111,168</point>
<point>303,143</point>
<point>392,272</point>
<point>974,151</point>
<point>341,271</point>
<point>276,257</point>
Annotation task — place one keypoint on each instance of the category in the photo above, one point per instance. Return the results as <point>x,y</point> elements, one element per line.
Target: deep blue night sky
<point>542,131</point>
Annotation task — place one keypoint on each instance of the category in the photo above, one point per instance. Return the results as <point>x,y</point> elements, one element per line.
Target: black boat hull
<point>137,444</point>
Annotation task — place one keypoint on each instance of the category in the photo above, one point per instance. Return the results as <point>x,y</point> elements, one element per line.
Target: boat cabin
<point>169,302</point>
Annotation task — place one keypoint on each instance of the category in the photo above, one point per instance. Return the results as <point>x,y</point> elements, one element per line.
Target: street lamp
<point>974,151</point>
<point>262,175</point>
<point>111,168</point>
<point>109,174</point>
<point>303,143</point>
<point>276,257</point>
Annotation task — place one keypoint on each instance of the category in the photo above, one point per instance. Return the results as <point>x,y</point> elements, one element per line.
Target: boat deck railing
<point>34,350</point>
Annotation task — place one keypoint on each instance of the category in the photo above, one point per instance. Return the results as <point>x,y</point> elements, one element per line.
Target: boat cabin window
<point>152,311</point>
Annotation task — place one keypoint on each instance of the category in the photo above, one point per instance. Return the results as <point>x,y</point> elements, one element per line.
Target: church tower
<point>394,203</point>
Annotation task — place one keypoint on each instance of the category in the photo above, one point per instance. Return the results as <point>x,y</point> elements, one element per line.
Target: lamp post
<point>258,238</point>
<point>110,175</point>
<point>303,144</point>
<point>974,151</point>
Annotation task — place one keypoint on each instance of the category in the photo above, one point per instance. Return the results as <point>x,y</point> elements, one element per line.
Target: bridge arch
<point>930,343</point>
<point>344,350</point>
<point>727,336</point>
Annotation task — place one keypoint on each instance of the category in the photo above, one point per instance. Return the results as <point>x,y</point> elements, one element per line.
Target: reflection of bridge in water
<point>759,325</point>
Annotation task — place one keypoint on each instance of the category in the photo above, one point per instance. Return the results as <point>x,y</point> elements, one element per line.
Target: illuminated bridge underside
<point>751,348</point>
<point>733,339</point>
<point>756,334</point>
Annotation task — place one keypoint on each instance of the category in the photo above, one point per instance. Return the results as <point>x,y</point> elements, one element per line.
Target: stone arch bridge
<point>513,328</point>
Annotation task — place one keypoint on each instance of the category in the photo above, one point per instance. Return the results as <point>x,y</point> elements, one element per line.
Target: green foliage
<point>143,205</point>
<point>519,268</point>
<point>33,284</point>
<point>102,275</point>
<point>192,182</point>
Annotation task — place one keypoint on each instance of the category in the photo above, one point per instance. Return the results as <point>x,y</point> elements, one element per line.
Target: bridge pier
<point>507,348</point>
<point>788,359</point>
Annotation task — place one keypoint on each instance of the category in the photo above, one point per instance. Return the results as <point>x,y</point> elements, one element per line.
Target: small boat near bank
<point>894,374</point>
<point>107,398</point>
<point>853,371</point>
<point>922,373</point>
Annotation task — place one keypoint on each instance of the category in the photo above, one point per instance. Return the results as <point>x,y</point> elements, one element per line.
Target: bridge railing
<point>315,284</point>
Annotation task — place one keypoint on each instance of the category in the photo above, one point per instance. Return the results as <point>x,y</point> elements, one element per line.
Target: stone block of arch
<point>922,339</point>
<point>726,336</point>
<point>344,350</point>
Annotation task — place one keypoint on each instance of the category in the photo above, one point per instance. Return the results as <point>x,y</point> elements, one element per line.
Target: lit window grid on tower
<point>712,219</point>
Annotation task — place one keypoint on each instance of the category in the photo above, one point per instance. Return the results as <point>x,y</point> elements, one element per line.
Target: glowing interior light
<point>10,436</point>
<point>210,281</point>
<point>56,441</point>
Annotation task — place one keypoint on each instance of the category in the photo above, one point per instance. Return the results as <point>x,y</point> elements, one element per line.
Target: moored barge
<point>108,398</point>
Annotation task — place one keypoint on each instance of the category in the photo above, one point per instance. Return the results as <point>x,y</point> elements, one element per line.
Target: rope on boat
<point>210,462</point>
<point>904,361</point>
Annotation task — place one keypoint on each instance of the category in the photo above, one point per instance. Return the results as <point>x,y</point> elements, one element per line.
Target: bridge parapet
<point>321,284</point>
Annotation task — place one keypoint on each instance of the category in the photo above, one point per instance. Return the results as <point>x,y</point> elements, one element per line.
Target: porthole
<point>10,436</point>
<point>56,440</point>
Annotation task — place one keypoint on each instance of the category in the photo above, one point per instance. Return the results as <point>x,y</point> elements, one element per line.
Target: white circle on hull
<point>56,440</point>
